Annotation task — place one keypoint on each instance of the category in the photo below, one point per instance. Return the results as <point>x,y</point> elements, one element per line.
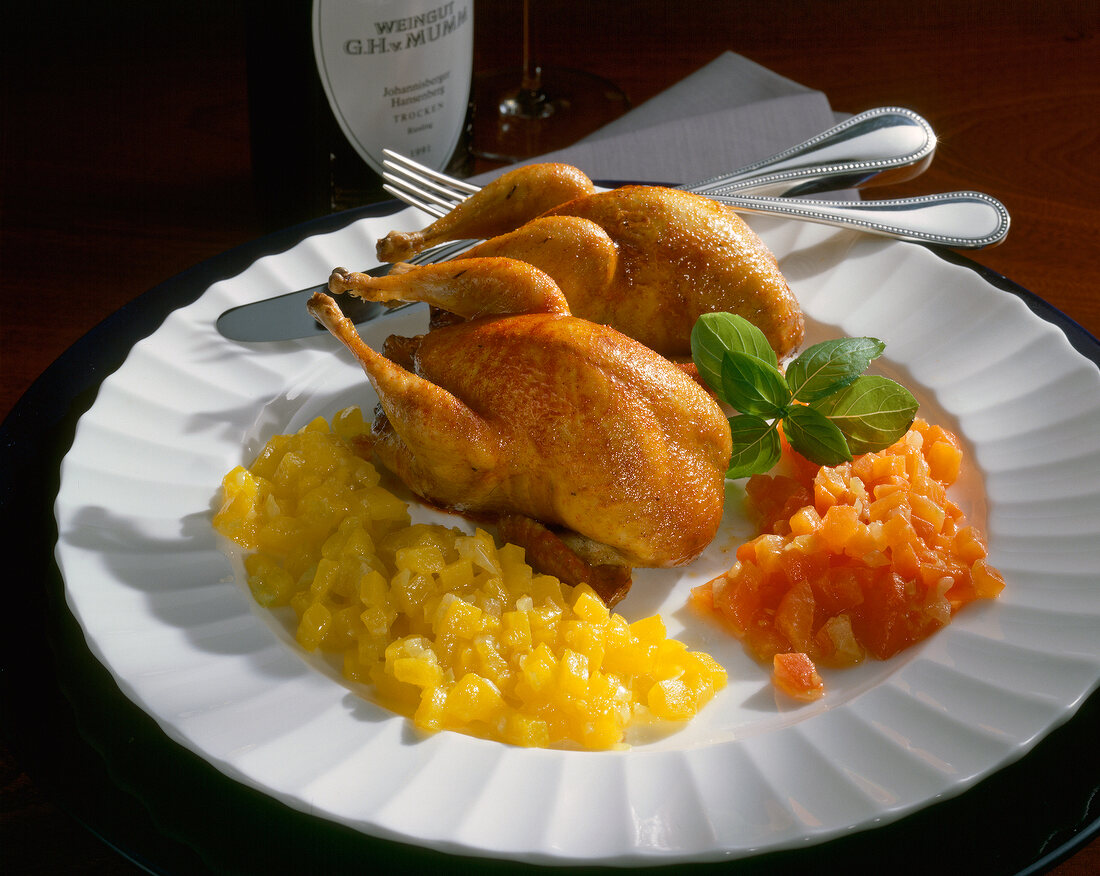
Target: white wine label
<point>397,74</point>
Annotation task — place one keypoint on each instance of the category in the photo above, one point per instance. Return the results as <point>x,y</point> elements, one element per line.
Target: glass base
<point>511,123</point>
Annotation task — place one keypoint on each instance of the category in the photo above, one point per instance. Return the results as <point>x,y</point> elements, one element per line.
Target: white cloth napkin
<point>727,114</point>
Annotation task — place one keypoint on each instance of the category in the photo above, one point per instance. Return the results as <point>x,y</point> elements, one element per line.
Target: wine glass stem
<point>532,73</point>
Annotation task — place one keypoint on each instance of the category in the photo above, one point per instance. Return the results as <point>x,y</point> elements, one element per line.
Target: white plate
<point>163,607</point>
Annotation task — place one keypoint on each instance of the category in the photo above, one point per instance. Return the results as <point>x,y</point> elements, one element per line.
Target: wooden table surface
<point>125,160</point>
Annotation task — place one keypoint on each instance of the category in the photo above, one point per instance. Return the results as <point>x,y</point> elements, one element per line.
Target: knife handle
<point>959,220</point>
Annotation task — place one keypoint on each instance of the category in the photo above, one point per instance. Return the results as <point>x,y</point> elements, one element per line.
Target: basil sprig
<point>829,409</point>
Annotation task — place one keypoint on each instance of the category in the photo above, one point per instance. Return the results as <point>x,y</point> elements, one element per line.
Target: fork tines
<point>442,252</point>
<point>418,198</point>
<point>412,182</point>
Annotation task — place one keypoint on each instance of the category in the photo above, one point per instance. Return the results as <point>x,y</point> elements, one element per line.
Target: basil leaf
<point>811,434</point>
<point>716,333</point>
<point>756,447</point>
<point>752,386</point>
<point>831,365</point>
<point>873,412</point>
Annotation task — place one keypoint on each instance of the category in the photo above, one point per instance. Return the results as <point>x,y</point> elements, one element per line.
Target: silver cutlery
<point>960,220</point>
<point>285,318</point>
<point>881,145</point>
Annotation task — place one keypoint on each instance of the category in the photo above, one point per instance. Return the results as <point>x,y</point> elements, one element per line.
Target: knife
<point>285,317</point>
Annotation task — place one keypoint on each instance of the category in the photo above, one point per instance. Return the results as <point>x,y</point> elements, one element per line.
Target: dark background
<point>125,159</point>
<point>126,144</point>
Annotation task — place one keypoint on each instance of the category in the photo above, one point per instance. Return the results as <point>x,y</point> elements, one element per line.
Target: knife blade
<point>285,317</point>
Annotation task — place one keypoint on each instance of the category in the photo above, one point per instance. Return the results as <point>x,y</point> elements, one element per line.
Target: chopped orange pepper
<point>865,557</point>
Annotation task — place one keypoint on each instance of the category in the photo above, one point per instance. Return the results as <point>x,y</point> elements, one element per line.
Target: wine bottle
<point>333,82</point>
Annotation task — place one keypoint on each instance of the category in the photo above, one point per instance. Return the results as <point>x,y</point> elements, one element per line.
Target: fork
<point>887,144</point>
<point>888,140</point>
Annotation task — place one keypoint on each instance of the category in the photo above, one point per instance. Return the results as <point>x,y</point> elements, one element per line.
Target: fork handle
<point>959,220</point>
<point>888,144</point>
